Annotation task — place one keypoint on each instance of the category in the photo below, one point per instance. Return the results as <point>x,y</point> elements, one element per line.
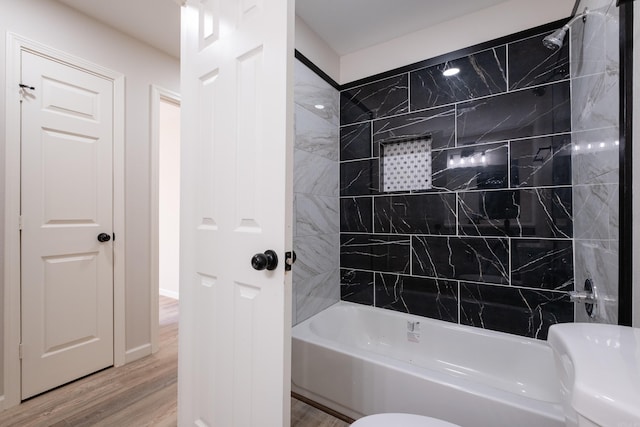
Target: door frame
<point>12,322</point>
<point>157,95</point>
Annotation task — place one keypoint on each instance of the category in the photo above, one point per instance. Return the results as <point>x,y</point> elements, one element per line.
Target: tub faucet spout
<point>413,326</point>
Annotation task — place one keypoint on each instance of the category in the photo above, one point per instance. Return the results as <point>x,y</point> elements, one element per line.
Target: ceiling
<point>155,22</point>
<point>351,25</point>
<point>346,25</point>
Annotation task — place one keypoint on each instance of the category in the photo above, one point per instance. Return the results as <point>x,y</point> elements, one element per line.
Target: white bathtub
<point>360,360</point>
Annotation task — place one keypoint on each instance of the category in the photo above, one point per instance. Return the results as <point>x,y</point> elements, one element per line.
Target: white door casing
<point>16,46</point>
<point>237,121</point>
<point>67,196</point>
<point>158,95</point>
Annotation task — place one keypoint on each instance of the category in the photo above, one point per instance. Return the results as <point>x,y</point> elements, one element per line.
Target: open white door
<point>237,121</point>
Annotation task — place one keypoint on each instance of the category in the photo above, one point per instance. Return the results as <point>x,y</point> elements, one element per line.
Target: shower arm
<point>582,16</point>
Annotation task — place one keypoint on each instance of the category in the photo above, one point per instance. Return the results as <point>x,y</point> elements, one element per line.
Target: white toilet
<point>400,420</point>
<point>598,376</point>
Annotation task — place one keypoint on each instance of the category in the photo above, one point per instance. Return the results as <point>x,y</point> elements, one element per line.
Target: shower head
<point>555,40</point>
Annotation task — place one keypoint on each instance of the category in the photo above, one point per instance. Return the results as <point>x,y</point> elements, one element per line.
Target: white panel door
<point>234,353</point>
<point>66,186</point>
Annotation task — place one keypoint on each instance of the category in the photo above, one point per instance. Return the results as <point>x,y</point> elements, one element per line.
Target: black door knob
<point>103,237</point>
<point>268,260</point>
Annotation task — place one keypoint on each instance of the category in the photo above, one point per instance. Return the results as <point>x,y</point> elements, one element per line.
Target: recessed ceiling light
<point>448,72</point>
<point>319,106</point>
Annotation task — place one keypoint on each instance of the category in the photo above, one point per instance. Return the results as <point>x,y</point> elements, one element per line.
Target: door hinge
<point>20,351</point>
<point>20,222</point>
<point>289,259</point>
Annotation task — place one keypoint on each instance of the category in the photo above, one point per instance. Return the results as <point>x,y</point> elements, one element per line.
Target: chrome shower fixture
<point>555,40</point>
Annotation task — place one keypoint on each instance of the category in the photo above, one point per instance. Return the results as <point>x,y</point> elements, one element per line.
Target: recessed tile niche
<point>406,165</point>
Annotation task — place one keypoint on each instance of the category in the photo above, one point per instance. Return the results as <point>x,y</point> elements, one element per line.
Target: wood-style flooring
<point>140,394</point>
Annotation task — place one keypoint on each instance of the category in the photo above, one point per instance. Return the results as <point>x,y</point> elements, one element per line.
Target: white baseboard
<point>137,353</point>
<point>169,294</point>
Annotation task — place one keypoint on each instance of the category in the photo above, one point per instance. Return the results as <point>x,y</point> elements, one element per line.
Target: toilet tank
<point>599,373</point>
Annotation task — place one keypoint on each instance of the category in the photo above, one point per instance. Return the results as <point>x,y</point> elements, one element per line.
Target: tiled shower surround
<point>316,230</point>
<point>491,243</point>
<point>596,178</point>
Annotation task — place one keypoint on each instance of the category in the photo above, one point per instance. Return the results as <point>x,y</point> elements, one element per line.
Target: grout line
<point>509,183</point>
<point>459,302</point>
<point>374,289</point>
<point>509,253</point>
<point>457,201</point>
<point>470,237</point>
<point>454,104</point>
<point>507,74</point>
<point>455,126</point>
<point>471,191</point>
<point>410,255</point>
<point>474,282</point>
<point>409,91</point>
<point>371,142</point>
<point>453,236</point>
<point>480,144</point>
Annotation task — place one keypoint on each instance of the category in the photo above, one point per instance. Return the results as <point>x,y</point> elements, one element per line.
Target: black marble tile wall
<point>359,178</point>
<point>542,263</point>
<point>514,310</point>
<point>380,99</point>
<point>471,167</point>
<point>539,212</point>
<point>416,214</point>
<point>433,298</point>
<point>375,252</point>
<point>490,244</point>
<point>531,66</point>
<point>477,260</point>
<point>355,141</point>
<point>356,215</point>
<point>356,286</point>
<point>482,74</point>
<point>543,110</point>
<point>541,162</point>
<point>438,123</point>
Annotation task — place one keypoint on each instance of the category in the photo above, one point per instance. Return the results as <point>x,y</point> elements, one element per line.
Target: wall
<point>595,90</point>
<point>169,200</point>
<point>314,48</point>
<point>504,18</point>
<point>316,203</point>
<point>491,243</point>
<point>54,24</point>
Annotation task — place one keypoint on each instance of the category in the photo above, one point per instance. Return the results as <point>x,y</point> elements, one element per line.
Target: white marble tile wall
<point>316,281</point>
<point>595,123</point>
<point>600,163</point>
<point>598,261</point>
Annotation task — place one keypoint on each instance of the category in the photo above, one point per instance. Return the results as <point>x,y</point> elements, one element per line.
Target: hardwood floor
<point>140,394</point>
